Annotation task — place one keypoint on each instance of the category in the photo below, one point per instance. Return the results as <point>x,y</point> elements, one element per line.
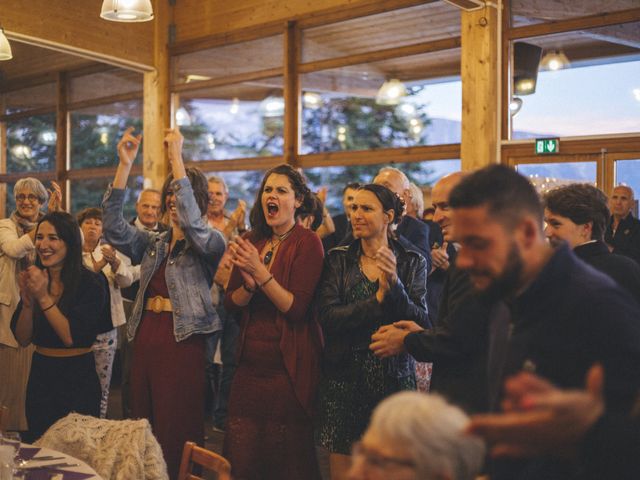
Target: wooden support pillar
<point>157,103</point>
<point>62,138</point>
<point>292,105</point>
<point>480,88</point>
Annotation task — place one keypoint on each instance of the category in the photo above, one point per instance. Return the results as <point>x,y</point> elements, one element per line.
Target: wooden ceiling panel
<point>422,23</point>
<point>247,91</point>
<point>31,61</point>
<point>526,12</point>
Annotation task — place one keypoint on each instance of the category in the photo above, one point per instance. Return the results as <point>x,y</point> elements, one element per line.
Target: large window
<point>596,93</point>
<point>31,144</point>
<point>234,121</point>
<point>546,176</point>
<point>95,132</point>
<point>88,192</point>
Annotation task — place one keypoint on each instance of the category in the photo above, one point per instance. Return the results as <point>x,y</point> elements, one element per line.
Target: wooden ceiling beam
<point>581,23</point>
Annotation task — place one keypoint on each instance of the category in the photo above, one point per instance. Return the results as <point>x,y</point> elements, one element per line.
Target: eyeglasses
<point>31,197</point>
<point>378,461</point>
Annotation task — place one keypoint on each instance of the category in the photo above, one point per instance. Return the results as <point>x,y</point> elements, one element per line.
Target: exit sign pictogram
<point>547,146</point>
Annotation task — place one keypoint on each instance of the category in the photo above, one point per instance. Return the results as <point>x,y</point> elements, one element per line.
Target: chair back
<point>4,418</point>
<point>195,455</point>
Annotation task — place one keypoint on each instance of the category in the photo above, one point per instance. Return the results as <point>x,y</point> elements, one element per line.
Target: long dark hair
<point>389,201</point>
<point>198,184</point>
<point>68,231</point>
<point>258,221</point>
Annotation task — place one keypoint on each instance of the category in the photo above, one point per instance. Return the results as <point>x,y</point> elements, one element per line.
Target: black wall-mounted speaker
<point>526,58</point>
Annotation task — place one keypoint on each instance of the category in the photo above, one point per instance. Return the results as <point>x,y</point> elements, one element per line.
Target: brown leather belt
<point>158,304</point>
<point>62,352</point>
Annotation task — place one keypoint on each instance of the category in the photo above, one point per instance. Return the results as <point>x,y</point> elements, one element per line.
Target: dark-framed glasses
<point>21,197</point>
<point>377,460</point>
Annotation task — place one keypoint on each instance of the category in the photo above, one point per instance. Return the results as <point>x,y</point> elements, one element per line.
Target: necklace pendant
<point>267,257</point>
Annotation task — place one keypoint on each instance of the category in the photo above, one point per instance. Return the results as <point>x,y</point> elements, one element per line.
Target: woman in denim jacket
<point>173,309</point>
<point>372,282</point>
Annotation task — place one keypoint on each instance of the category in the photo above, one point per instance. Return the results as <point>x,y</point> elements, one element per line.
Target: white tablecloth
<point>47,452</point>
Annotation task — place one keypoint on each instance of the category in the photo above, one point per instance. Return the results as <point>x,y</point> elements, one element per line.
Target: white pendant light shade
<point>127,10</point>
<point>5,48</point>
<point>391,92</point>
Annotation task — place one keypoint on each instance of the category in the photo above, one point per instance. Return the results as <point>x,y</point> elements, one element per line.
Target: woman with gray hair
<point>17,251</point>
<point>414,436</point>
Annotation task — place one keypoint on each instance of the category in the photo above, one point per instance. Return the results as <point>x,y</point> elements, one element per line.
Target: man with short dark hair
<point>577,214</point>
<point>341,221</point>
<point>562,315</point>
<point>457,345</point>
<point>623,231</point>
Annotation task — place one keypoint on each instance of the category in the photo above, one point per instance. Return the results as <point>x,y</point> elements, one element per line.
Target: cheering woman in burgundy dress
<point>276,269</point>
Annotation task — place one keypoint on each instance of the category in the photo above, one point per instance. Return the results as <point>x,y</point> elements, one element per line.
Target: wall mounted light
<point>127,10</point>
<point>515,105</point>
<point>5,48</point>
<point>391,92</point>
<point>554,60</point>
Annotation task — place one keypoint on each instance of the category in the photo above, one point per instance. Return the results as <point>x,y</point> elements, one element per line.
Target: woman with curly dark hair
<point>173,310</point>
<point>372,282</point>
<point>276,269</point>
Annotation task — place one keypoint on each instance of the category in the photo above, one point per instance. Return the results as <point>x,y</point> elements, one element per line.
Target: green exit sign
<point>547,146</point>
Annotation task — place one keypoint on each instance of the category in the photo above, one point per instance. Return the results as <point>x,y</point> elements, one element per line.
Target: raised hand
<point>55,198</point>
<point>439,257</point>
<point>237,216</point>
<point>25,294</point>
<point>36,282</point>
<point>386,262</point>
<point>109,255</point>
<point>128,147</point>
<point>173,141</point>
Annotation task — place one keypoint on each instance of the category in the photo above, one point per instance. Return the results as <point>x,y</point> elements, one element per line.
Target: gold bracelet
<point>265,282</point>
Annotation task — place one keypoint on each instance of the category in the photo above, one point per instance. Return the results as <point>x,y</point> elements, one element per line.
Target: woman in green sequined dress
<point>374,281</point>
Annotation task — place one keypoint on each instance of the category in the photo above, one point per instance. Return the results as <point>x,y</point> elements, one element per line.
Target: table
<point>31,453</point>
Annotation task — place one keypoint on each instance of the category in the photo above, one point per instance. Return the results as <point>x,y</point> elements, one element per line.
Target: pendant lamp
<point>127,10</point>
<point>5,48</point>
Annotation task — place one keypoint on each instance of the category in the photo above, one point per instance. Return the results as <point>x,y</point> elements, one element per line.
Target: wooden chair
<point>195,455</point>
<point>4,418</point>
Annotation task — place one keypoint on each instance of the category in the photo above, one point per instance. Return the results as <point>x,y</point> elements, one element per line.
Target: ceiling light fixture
<point>5,48</point>
<point>127,10</point>
<point>554,60</point>
<point>272,106</point>
<point>391,92</point>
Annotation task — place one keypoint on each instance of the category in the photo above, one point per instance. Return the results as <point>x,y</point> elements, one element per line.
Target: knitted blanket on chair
<point>115,449</point>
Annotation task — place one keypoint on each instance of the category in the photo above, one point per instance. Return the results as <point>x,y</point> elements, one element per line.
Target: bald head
<point>440,199</point>
<point>396,181</point>
<point>621,201</point>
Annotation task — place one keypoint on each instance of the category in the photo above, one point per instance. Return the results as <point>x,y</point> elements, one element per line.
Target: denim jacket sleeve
<point>207,242</point>
<point>118,233</point>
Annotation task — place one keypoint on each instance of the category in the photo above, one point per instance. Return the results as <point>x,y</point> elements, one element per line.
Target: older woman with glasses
<point>413,436</point>
<point>17,251</point>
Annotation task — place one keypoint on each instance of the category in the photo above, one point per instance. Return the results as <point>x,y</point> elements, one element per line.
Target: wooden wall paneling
<point>62,137</point>
<point>479,67</point>
<point>505,71</point>
<point>157,103</point>
<point>292,109</point>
